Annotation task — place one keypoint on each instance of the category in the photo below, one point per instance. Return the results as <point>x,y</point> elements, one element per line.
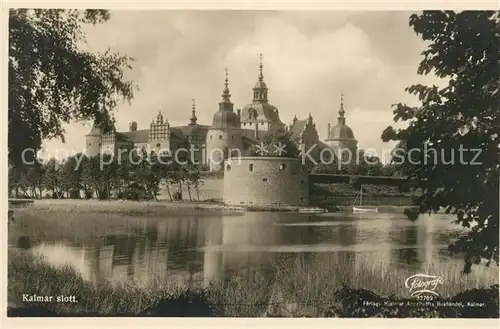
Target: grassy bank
<point>344,194</point>
<point>134,208</point>
<point>309,287</point>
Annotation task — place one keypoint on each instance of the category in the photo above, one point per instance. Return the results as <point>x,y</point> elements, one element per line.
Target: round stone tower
<point>224,136</point>
<point>341,138</point>
<point>266,181</point>
<point>93,141</point>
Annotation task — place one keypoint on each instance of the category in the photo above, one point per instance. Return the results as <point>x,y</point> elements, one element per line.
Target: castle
<point>230,131</point>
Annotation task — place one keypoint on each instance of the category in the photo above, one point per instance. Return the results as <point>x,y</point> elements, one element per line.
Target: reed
<point>307,288</point>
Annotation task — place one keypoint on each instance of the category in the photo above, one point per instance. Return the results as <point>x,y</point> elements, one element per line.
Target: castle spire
<point>226,96</point>
<point>159,118</point>
<point>341,118</point>
<point>193,118</point>
<point>260,88</point>
<point>261,76</point>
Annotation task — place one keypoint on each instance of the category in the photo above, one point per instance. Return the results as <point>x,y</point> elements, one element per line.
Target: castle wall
<point>197,142</point>
<point>257,128</point>
<point>159,137</point>
<point>309,144</point>
<point>93,146</point>
<point>219,144</point>
<point>266,181</point>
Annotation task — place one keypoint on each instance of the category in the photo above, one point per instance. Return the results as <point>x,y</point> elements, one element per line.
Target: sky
<point>309,59</point>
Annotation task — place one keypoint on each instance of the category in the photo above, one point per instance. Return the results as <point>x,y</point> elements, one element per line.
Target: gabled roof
<point>297,128</point>
<point>138,136</point>
<point>179,133</point>
<point>189,130</point>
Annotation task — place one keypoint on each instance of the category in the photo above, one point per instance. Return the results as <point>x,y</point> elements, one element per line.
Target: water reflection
<point>23,242</point>
<point>210,248</point>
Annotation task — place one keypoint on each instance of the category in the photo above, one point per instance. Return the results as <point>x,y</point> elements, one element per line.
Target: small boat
<point>361,208</point>
<point>364,209</point>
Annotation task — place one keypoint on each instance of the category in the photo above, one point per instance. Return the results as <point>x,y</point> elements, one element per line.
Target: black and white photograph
<point>252,163</point>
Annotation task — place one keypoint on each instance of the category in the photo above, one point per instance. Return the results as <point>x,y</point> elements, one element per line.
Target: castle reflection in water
<point>209,248</point>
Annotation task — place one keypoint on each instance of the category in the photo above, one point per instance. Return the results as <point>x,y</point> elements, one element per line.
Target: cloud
<point>309,59</point>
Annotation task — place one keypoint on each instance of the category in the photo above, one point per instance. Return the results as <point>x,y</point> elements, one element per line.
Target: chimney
<point>328,132</point>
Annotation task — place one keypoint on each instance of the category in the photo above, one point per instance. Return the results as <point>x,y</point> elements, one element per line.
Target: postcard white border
<point>222,322</point>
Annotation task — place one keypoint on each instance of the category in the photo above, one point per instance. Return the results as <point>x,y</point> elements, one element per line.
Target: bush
<point>412,213</point>
<point>74,194</point>
<point>187,304</point>
<point>355,182</point>
<point>177,196</point>
<point>103,195</point>
<point>134,192</point>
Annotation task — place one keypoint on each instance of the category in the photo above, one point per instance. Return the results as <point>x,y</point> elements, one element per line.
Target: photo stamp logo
<point>421,284</point>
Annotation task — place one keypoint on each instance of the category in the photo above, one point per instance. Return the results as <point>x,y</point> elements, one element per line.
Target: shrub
<point>412,213</point>
<point>177,196</point>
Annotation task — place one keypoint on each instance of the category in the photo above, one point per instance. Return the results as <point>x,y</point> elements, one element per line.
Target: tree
<point>390,170</point>
<point>368,165</point>
<point>73,169</point>
<point>52,81</point>
<point>459,120</point>
<point>54,178</point>
<point>93,176</point>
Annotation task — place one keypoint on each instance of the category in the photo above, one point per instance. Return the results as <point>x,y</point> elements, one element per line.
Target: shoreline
<point>132,208</point>
<point>165,206</point>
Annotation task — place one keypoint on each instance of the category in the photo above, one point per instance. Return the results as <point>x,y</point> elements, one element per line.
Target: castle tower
<point>341,138</point>
<point>260,115</point>
<point>224,136</point>
<point>196,138</point>
<point>93,141</point>
<point>159,134</point>
<point>260,88</point>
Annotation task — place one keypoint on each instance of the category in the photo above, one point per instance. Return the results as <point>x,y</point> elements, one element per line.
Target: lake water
<point>210,247</point>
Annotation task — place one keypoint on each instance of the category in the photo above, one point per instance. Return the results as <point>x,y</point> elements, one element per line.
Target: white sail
<point>361,208</point>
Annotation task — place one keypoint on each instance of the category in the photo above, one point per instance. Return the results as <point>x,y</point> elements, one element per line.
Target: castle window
<point>232,137</point>
<point>99,144</point>
<point>210,136</point>
<point>264,179</point>
<point>90,144</point>
<point>158,145</point>
<point>220,136</point>
<point>228,168</point>
<point>282,167</point>
<point>250,167</point>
